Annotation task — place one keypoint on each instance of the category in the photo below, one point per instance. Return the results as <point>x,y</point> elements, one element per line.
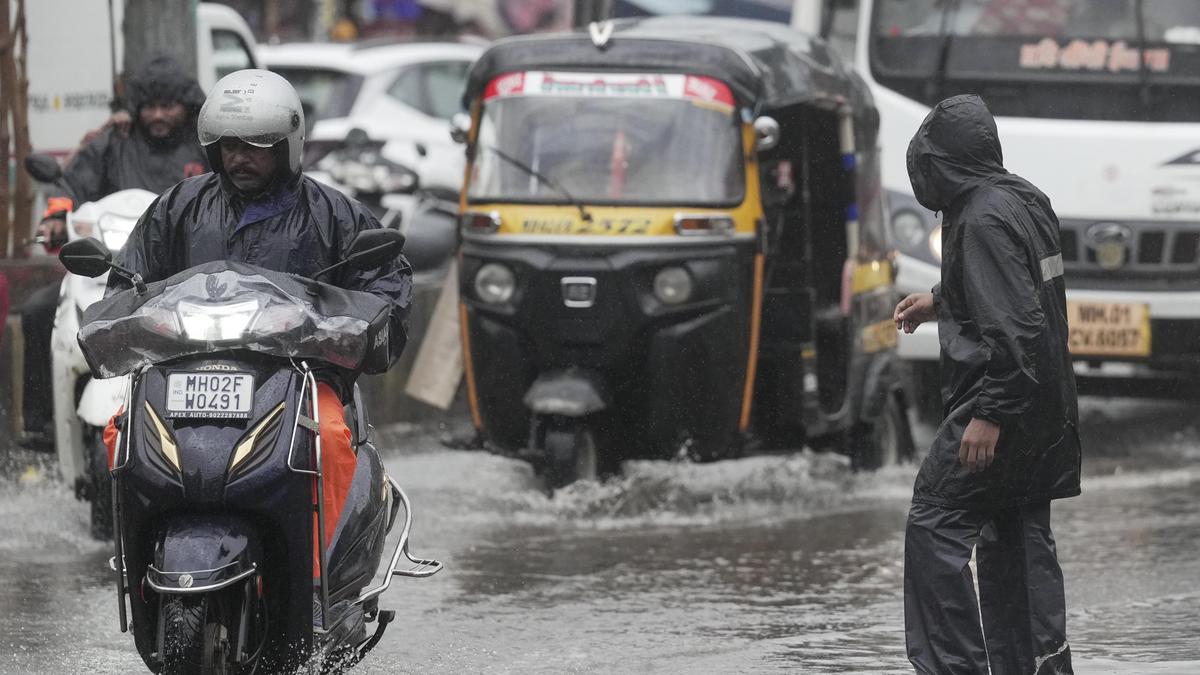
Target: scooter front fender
<point>203,553</point>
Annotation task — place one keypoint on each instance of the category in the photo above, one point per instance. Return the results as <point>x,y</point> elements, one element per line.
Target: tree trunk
<point>23,196</point>
<point>159,27</point>
<point>6,101</point>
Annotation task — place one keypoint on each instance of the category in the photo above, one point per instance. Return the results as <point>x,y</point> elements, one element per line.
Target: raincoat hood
<point>955,150</point>
<point>163,79</point>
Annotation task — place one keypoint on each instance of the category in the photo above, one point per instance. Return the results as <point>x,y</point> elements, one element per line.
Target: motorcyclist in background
<point>157,150</point>
<point>258,208</point>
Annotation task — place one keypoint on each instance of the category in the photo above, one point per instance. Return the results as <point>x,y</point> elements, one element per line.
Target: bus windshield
<point>1077,59</point>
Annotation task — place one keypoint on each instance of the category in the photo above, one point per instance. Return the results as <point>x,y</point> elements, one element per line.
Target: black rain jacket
<point>299,228</point>
<point>113,161</point>
<point>1002,318</point>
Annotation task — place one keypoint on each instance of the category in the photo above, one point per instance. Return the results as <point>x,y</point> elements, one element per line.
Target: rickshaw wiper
<point>583,212</point>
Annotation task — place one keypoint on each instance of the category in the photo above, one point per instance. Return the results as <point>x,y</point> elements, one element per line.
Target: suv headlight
<point>914,228</point>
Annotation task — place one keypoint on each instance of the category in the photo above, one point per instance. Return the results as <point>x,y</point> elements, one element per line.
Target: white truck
<point>1098,104</point>
<point>71,57</point>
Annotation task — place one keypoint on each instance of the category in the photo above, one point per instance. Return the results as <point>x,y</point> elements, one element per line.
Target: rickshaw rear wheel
<point>886,441</point>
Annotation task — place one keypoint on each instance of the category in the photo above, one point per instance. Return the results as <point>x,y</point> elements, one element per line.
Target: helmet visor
<point>261,139</point>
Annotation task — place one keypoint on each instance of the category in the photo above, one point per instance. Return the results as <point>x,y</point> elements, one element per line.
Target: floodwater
<point>783,563</point>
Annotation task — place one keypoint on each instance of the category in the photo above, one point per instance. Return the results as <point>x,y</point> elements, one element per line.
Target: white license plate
<point>210,394</point>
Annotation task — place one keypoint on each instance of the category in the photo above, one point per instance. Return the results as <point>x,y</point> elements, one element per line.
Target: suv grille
<point>1153,250</point>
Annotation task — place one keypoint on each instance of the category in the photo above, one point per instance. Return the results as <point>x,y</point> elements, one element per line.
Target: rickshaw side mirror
<point>766,133</point>
<point>460,127</point>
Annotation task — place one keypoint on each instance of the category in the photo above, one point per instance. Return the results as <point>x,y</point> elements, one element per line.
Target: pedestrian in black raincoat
<point>1009,442</point>
<point>156,150</point>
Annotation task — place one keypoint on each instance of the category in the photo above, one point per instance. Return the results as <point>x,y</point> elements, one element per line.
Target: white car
<point>401,94</point>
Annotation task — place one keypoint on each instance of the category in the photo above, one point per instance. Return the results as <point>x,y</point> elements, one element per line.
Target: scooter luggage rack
<point>419,568</point>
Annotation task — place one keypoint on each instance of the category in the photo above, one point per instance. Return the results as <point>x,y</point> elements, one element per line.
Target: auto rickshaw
<point>674,244</point>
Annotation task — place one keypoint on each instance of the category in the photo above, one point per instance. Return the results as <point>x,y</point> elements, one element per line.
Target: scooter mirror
<point>86,257</point>
<point>43,168</point>
<point>460,127</point>
<point>374,248</point>
<point>369,250</point>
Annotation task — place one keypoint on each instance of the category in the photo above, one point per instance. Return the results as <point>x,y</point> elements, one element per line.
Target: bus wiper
<point>583,213</point>
<point>935,84</point>
<point>1143,71</point>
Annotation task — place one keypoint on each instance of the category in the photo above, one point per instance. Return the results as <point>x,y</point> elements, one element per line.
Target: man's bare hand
<point>52,232</point>
<point>978,447</point>
<point>122,121</point>
<point>913,311</point>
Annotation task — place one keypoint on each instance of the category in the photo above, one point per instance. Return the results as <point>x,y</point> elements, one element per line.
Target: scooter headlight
<point>495,284</point>
<point>673,286</point>
<point>115,230</point>
<point>223,322</point>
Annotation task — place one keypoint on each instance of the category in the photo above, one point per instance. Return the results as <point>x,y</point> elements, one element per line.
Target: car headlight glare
<point>910,230</point>
<point>935,243</point>
<point>495,284</point>
<point>673,286</point>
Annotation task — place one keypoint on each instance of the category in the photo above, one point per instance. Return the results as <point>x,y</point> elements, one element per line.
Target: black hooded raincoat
<point>1002,319</point>
<point>300,228</point>
<point>114,161</point>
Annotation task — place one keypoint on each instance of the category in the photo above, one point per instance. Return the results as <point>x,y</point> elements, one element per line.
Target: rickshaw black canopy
<point>768,66</point>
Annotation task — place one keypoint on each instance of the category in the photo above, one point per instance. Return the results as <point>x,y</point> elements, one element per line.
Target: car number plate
<point>210,395</point>
<point>1108,328</point>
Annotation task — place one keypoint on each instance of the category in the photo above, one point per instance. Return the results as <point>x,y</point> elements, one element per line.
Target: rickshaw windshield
<point>611,147</point>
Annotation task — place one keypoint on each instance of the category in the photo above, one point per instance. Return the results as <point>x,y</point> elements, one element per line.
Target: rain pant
<point>114,161</point>
<point>1002,324</point>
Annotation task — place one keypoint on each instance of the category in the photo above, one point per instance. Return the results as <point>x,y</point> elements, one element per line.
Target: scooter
<point>82,404</point>
<point>218,464</point>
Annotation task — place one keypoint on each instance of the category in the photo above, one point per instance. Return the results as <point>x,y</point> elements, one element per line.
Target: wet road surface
<point>768,564</point>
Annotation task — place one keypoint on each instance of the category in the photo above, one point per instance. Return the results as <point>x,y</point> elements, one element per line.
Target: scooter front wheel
<point>194,643</point>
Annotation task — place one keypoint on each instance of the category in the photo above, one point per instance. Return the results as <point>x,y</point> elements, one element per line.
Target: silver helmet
<point>256,106</point>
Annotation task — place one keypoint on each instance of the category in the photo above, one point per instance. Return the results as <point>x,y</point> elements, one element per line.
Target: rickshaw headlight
<point>673,286</point>
<point>910,229</point>
<point>495,283</point>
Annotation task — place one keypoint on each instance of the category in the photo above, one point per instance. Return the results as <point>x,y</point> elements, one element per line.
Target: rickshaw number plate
<point>1108,328</point>
<point>210,395</point>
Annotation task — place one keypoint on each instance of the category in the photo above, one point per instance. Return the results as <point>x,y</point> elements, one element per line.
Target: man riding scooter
<point>258,208</point>
<point>157,150</point>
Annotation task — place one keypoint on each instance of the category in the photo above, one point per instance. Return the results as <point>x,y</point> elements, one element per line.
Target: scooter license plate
<point>210,395</point>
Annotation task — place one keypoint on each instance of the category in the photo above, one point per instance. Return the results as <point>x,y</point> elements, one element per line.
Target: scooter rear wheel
<point>192,643</point>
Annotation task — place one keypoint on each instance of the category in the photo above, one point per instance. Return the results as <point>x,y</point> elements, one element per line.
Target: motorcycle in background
<point>218,465</point>
<point>83,404</point>
<point>422,207</point>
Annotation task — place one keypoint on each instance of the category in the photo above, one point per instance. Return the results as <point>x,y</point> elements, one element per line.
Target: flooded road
<point>768,564</point>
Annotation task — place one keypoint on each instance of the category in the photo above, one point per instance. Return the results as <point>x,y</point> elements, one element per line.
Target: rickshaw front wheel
<point>572,455</point>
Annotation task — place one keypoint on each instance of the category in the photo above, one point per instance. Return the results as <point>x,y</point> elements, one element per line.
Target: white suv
<point>402,94</point>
